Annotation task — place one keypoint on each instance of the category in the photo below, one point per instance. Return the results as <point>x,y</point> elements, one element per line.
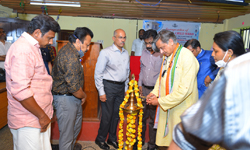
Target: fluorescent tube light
<point>56,3</point>
<point>241,1</point>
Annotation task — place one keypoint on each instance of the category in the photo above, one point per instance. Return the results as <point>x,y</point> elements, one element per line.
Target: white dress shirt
<point>112,64</point>
<point>138,46</point>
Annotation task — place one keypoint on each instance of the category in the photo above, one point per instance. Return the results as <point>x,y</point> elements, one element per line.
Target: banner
<point>183,30</point>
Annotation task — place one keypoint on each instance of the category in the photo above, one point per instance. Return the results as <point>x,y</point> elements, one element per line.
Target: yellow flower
<point>127,92</point>
<point>137,94</point>
<point>126,97</point>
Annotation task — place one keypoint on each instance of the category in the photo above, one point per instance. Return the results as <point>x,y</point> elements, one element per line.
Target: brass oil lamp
<point>132,108</point>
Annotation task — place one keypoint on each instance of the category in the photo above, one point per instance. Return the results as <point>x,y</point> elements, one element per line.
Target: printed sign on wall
<point>183,30</point>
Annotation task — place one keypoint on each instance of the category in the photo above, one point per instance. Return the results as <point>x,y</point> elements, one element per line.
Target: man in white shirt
<point>4,46</point>
<point>138,44</point>
<point>111,80</point>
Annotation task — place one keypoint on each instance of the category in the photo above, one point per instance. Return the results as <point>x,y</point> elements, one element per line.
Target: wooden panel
<point>64,34</point>
<point>3,105</point>
<point>60,44</point>
<point>91,106</point>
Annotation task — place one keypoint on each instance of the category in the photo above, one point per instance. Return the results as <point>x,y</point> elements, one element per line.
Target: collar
<point>2,42</point>
<point>30,39</point>
<point>201,53</point>
<point>149,52</point>
<point>74,48</point>
<point>114,48</point>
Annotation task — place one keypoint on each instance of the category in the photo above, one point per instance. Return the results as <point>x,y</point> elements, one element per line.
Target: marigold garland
<point>131,119</point>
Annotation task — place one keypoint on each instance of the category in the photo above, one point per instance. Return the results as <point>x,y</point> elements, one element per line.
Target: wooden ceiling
<point>178,10</point>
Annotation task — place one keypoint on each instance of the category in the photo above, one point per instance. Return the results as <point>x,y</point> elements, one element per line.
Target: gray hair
<point>114,33</point>
<point>165,35</point>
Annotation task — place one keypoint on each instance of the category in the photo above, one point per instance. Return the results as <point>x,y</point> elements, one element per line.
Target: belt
<point>148,87</point>
<point>68,94</point>
<point>115,82</point>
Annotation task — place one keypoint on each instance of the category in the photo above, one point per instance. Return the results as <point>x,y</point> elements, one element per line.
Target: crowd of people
<point>194,97</point>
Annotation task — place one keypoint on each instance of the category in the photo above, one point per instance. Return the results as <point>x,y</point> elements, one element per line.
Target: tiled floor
<point>6,141</point>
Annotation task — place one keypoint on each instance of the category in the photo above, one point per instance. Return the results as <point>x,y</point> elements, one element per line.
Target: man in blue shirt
<point>208,70</point>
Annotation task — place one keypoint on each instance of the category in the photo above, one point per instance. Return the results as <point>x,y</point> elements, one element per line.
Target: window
<point>246,38</point>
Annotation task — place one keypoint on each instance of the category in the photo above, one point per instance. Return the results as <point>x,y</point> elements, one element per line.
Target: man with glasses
<point>4,46</point>
<point>208,70</point>
<point>111,80</point>
<point>150,69</point>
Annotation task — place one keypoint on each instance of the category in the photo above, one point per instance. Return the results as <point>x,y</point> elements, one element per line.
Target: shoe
<point>55,146</point>
<point>114,144</point>
<point>151,148</point>
<point>102,145</point>
<point>77,146</point>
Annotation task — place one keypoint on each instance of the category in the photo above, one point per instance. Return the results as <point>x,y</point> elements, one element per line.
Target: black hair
<point>141,30</point>
<point>4,32</point>
<point>43,22</point>
<point>150,33</point>
<point>193,42</point>
<point>230,40</point>
<point>80,33</point>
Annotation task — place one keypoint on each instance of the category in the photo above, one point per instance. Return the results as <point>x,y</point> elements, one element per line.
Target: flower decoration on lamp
<point>132,104</point>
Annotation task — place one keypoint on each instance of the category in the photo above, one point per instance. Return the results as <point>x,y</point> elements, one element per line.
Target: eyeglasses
<point>2,31</point>
<point>120,37</point>
<point>149,43</point>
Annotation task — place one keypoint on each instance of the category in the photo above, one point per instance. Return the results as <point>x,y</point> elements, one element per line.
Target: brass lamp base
<point>129,147</point>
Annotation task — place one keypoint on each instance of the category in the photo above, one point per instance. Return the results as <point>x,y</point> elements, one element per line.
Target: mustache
<point>122,42</point>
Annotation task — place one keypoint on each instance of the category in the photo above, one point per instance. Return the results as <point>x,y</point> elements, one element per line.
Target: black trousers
<point>110,111</point>
<point>149,111</point>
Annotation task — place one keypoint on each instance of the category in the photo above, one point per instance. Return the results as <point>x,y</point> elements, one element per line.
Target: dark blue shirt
<point>46,57</point>
<point>207,68</point>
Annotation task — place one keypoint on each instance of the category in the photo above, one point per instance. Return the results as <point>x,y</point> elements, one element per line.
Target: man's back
<point>67,71</point>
